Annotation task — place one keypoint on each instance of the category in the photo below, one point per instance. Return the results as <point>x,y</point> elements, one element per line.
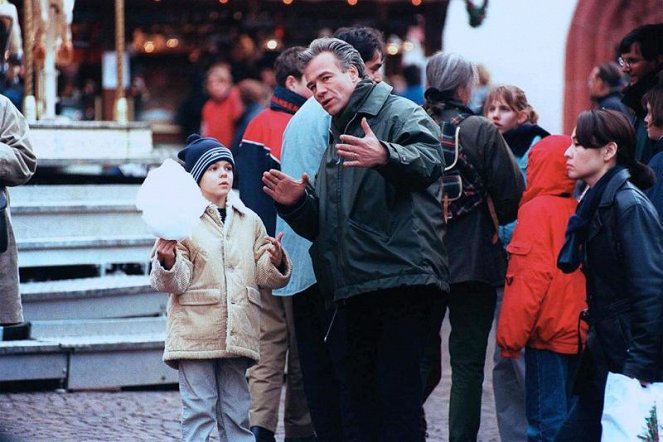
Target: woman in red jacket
<point>541,304</point>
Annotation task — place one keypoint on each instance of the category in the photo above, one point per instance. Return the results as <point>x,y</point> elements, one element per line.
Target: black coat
<point>624,269</point>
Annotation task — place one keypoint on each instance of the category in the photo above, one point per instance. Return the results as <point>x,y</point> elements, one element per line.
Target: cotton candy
<point>171,201</point>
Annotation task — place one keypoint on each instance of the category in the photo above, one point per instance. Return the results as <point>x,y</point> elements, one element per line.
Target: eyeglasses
<point>623,62</point>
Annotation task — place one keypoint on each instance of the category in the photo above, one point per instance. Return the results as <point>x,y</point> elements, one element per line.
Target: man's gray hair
<point>345,54</point>
<point>450,73</point>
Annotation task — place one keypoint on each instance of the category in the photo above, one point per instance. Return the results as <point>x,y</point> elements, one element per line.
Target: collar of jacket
<point>232,203</point>
<point>285,100</point>
<point>615,183</point>
<point>360,104</point>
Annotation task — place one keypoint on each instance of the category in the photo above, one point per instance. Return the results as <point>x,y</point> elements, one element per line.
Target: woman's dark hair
<point>596,128</point>
<point>654,97</point>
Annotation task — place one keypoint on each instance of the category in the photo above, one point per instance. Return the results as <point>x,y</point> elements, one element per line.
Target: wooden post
<point>120,99</point>
<point>29,104</point>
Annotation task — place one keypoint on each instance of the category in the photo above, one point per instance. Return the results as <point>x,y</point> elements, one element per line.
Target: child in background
<point>213,278</point>
<point>507,107</point>
<point>542,304</point>
<point>224,107</point>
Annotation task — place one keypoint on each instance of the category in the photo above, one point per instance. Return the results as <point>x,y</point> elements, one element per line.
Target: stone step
<point>76,220</point>
<point>48,329</point>
<point>115,296</point>
<point>93,250</point>
<point>50,194</point>
<point>104,361</point>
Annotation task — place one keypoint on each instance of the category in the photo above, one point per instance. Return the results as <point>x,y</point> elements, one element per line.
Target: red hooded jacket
<point>541,304</point>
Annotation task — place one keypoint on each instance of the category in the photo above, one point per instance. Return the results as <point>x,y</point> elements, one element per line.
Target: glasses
<point>623,62</point>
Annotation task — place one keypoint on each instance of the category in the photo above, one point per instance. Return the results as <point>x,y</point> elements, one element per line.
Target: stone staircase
<point>103,331</point>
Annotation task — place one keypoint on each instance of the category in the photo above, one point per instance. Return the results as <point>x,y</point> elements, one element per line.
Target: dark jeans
<point>548,392</point>
<point>322,363</point>
<point>471,307</point>
<point>387,331</point>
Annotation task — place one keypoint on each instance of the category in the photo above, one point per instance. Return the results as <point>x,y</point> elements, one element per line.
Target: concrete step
<point>115,296</point>
<point>66,193</point>
<point>104,361</point>
<point>72,219</point>
<point>93,250</point>
<point>48,329</point>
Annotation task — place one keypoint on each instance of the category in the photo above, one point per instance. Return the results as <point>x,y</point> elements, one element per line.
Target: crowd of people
<point>332,274</point>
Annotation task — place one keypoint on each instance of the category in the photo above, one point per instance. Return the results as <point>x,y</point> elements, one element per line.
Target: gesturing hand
<point>282,188</point>
<point>165,250</point>
<point>275,250</point>
<point>362,152</point>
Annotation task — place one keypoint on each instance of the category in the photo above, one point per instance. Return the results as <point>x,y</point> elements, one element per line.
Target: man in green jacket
<point>375,219</point>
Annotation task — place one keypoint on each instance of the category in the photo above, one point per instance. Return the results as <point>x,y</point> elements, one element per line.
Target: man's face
<point>373,67</point>
<point>331,86</point>
<point>635,65</point>
<point>597,87</point>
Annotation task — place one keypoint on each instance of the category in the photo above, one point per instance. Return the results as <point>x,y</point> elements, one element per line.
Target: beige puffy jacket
<point>214,302</point>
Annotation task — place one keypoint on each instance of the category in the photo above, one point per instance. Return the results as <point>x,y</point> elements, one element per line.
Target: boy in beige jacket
<point>213,278</point>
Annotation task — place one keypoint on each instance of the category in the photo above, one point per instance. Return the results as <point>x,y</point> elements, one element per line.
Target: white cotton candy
<point>171,201</point>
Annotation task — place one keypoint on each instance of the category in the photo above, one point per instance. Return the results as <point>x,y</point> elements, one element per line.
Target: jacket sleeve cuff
<point>510,354</point>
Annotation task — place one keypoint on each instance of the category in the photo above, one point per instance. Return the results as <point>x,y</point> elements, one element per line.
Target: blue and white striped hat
<point>201,152</point>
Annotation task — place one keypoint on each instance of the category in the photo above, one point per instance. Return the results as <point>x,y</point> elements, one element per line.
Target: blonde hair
<point>515,98</point>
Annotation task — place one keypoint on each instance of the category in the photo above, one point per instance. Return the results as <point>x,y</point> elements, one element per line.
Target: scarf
<point>520,138</point>
<point>285,100</point>
<point>571,254</point>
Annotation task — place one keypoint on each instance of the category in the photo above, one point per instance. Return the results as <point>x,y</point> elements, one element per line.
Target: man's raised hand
<point>282,188</point>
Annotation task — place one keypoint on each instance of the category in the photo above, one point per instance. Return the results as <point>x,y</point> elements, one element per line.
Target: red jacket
<point>542,304</point>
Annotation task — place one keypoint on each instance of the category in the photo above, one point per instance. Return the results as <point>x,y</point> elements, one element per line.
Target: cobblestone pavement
<point>154,415</point>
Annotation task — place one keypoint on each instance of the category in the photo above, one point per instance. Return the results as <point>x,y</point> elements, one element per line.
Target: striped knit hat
<point>201,152</point>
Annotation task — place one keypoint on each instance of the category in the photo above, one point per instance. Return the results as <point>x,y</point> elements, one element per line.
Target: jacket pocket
<point>518,250</point>
<point>254,296</point>
<point>200,297</point>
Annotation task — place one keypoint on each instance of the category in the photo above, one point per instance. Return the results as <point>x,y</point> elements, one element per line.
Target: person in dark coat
<point>375,219</point>
<point>477,260</point>
<point>616,236</point>
<point>653,102</point>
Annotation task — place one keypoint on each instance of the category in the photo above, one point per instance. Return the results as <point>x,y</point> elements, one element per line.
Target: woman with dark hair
<point>617,237</point>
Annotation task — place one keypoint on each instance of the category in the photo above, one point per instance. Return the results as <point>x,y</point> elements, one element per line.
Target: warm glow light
<point>408,46</point>
<point>392,49</point>
<point>352,2</point>
<point>148,46</point>
<point>272,44</point>
<point>172,43</point>
<point>416,2</point>
<point>223,2</point>
<point>287,2</point>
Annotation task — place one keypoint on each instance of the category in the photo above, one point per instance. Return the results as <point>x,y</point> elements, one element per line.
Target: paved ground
<point>154,415</point>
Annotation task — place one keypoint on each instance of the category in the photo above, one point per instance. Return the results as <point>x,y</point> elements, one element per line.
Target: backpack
<point>463,189</point>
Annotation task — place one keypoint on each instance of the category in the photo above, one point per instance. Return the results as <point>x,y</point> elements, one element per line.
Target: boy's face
<point>219,82</point>
<point>217,181</point>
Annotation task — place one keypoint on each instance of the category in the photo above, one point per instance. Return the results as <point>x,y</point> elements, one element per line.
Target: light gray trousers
<point>215,391</point>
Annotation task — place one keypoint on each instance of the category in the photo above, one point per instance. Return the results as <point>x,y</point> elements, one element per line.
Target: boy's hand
<point>165,251</point>
<point>275,250</point>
